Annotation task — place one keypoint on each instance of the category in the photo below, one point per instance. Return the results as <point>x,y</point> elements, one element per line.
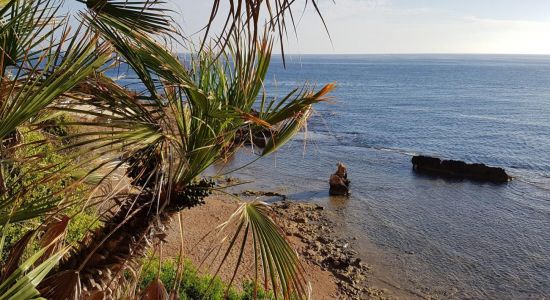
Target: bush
<point>57,125</point>
<point>35,146</point>
<point>197,286</point>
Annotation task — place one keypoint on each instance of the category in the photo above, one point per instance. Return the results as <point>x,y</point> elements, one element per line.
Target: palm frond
<point>244,19</point>
<point>150,61</point>
<point>25,26</point>
<point>39,88</point>
<point>146,16</point>
<point>155,291</point>
<point>22,284</point>
<point>292,115</point>
<point>16,253</point>
<point>250,226</point>
<point>20,280</point>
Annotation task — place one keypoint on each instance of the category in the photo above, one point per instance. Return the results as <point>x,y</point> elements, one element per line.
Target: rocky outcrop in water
<point>258,137</point>
<point>252,193</point>
<point>459,169</point>
<point>339,183</point>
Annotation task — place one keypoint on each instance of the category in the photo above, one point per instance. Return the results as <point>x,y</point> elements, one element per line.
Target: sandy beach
<point>332,267</point>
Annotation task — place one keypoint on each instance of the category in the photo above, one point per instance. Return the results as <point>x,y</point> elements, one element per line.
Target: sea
<point>426,237</point>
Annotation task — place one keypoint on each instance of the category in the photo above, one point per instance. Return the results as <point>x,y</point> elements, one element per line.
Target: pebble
<point>336,255</point>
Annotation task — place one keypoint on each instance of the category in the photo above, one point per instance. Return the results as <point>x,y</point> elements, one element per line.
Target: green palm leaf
<point>37,89</point>
<point>144,16</point>
<point>22,284</point>
<point>274,258</point>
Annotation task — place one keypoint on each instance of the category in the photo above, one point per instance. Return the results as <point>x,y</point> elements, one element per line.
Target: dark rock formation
<point>249,193</point>
<point>459,169</point>
<point>254,135</point>
<point>257,137</point>
<point>339,183</point>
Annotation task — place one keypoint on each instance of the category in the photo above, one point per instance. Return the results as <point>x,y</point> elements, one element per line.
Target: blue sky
<point>409,26</point>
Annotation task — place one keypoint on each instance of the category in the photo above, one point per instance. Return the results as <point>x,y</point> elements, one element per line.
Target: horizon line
<point>405,53</point>
<point>419,53</point>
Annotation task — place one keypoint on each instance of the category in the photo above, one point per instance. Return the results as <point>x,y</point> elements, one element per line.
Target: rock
<point>311,253</point>
<point>339,183</point>
<point>322,247</point>
<point>459,169</point>
<point>318,246</point>
<point>249,193</point>
<point>301,220</point>
<point>323,240</point>
<point>299,235</point>
<point>358,278</point>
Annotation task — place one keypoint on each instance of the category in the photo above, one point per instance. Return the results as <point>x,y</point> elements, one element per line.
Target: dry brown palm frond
<point>14,257</point>
<point>54,231</point>
<point>155,291</point>
<point>50,240</point>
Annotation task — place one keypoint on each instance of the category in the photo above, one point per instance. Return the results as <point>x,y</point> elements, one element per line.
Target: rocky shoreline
<point>324,247</point>
<point>333,267</point>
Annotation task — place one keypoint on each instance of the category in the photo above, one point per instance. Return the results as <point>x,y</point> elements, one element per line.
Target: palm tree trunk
<point>97,267</point>
<point>100,262</point>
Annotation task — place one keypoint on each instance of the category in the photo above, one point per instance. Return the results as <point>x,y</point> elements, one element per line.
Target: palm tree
<point>192,112</point>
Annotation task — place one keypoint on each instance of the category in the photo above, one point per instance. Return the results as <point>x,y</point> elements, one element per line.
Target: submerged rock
<point>459,169</point>
<point>339,183</point>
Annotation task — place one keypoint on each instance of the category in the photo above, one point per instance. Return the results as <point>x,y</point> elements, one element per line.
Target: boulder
<point>459,169</point>
<point>339,183</point>
<point>258,137</point>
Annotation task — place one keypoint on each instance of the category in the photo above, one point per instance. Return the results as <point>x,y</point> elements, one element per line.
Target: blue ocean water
<point>446,239</point>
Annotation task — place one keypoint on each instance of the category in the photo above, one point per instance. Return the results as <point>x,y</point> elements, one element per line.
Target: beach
<point>331,265</point>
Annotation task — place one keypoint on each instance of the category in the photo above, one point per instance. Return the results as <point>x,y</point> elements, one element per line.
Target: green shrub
<point>42,152</point>
<point>57,125</point>
<point>81,223</point>
<point>197,286</point>
<point>248,292</point>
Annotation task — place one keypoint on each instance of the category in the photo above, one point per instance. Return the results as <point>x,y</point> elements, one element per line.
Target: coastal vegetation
<point>92,171</point>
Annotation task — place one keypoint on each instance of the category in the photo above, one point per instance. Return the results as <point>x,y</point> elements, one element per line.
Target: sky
<point>412,26</point>
<point>407,26</point>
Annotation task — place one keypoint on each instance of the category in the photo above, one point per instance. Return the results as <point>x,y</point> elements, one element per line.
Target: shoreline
<point>331,263</point>
<point>320,243</point>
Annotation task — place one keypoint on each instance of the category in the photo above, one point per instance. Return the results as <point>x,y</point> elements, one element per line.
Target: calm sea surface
<point>440,238</point>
